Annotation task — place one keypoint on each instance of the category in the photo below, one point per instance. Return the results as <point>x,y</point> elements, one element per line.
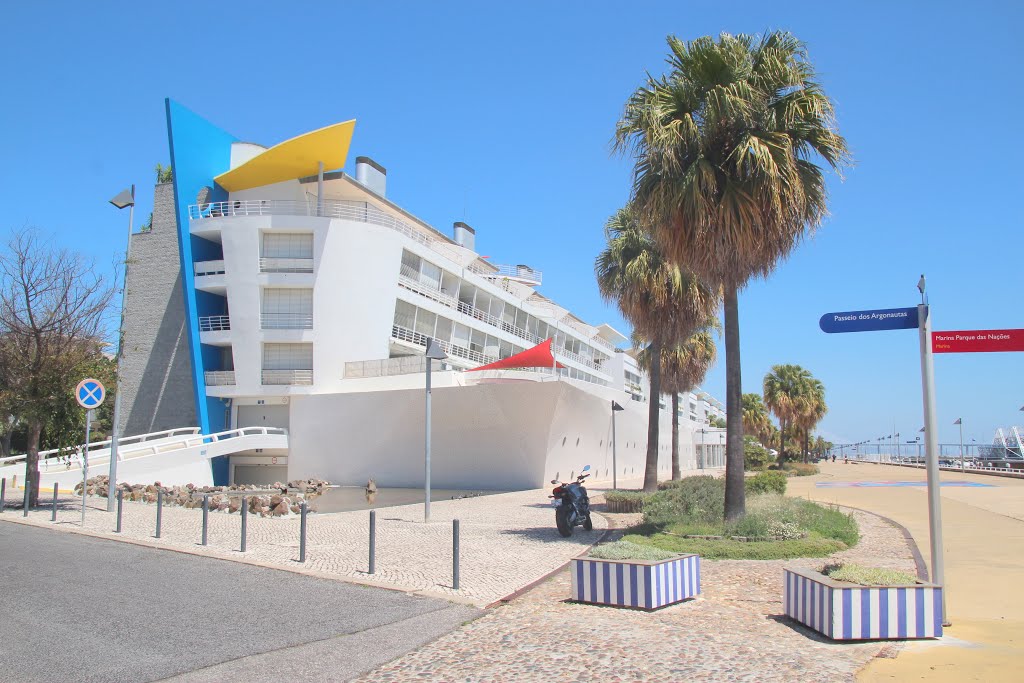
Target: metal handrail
<point>276,264</point>
<point>209,268</point>
<point>214,323</point>
<point>287,377</point>
<point>219,378</point>
<point>286,321</point>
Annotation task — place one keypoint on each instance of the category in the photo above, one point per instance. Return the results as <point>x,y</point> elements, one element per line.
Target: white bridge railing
<point>125,443</point>
<point>71,458</point>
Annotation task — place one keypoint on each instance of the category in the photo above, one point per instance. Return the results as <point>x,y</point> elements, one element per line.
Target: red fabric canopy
<point>539,356</point>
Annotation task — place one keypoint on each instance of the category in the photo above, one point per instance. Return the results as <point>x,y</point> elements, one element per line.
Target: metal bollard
<point>245,520</point>
<point>206,518</point>
<point>28,494</point>
<point>373,542</point>
<point>3,492</point>
<point>455,554</point>
<point>302,532</point>
<point>53,515</point>
<point>120,508</point>
<point>159,510</point>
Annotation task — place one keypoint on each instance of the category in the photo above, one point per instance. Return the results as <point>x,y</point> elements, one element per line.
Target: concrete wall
<point>157,372</point>
<point>504,436</point>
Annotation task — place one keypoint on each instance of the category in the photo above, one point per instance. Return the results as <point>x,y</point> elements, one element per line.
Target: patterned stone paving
<point>734,632</point>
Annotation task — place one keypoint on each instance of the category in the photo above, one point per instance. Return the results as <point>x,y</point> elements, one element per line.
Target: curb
<point>919,563</point>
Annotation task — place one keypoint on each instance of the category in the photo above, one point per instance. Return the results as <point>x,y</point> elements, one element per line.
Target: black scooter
<point>572,505</point>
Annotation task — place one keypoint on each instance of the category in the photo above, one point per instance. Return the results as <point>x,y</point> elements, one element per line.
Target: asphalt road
<point>80,609</point>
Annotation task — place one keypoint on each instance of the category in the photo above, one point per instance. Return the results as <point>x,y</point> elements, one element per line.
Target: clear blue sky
<point>501,116</point>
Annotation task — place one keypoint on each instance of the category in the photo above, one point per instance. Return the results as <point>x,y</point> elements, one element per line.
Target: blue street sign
<point>869,321</point>
<point>90,393</point>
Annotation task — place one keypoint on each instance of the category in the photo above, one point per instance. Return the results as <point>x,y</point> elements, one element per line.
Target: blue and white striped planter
<point>844,611</point>
<point>635,583</point>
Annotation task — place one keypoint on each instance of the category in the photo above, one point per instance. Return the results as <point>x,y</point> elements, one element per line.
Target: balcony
<point>286,265</point>
<point>287,377</point>
<point>286,321</point>
<point>220,378</point>
<point>214,323</point>
<point>404,334</point>
<point>209,268</point>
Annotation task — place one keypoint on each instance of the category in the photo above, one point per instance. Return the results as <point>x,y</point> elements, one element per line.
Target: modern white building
<point>303,299</point>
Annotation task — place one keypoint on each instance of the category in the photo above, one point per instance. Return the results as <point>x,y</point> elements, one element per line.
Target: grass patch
<point>868,576</point>
<point>626,550</point>
<point>812,546</point>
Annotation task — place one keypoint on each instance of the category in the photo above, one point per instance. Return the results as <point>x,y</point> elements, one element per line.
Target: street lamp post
<point>701,460</point>
<point>960,421</point>
<point>434,352</point>
<point>125,198</point>
<point>615,463</point>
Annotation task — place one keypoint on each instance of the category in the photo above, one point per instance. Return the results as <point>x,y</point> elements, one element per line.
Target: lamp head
<point>434,351</point>
<point>124,198</point>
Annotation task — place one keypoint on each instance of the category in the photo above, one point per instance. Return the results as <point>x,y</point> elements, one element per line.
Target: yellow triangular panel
<point>291,159</point>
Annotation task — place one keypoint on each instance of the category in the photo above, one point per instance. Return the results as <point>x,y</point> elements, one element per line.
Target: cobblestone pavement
<point>507,541</point>
<point>734,632</point>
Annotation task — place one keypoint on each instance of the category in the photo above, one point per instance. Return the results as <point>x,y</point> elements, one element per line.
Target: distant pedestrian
<point>833,457</point>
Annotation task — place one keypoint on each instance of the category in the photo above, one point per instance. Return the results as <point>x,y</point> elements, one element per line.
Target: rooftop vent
<point>371,174</point>
<point>464,235</point>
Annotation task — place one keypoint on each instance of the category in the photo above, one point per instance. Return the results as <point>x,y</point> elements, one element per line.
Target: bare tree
<point>53,320</point>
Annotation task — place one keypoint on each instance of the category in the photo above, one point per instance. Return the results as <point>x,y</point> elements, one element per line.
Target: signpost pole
<point>85,461</point>
<point>931,438</point>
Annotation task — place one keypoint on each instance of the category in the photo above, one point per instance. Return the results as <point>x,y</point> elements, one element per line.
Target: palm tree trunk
<point>807,445</point>
<point>675,436</point>
<point>653,414</point>
<point>35,430</point>
<point>782,442</point>
<point>735,503</point>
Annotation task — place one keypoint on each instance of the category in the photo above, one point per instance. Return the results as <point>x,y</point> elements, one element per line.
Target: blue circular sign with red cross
<point>90,393</point>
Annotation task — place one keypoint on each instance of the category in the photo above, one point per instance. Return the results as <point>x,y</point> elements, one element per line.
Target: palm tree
<point>784,391</point>
<point>756,421</point>
<point>724,149</point>
<point>811,408</point>
<point>662,302</point>
<point>684,366</point>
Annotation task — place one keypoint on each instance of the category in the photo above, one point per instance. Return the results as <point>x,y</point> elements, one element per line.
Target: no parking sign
<point>90,393</point>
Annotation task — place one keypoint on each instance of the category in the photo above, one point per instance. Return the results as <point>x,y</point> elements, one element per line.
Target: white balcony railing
<point>289,377</point>
<point>209,268</point>
<point>428,290</point>
<point>285,265</point>
<point>286,321</point>
<point>214,323</point>
<point>220,378</point>
<point>412,337</point>
<point>364,212</point>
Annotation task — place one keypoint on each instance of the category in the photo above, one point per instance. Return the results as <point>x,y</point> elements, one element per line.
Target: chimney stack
<point>464,235</point>
<point>371,175</point>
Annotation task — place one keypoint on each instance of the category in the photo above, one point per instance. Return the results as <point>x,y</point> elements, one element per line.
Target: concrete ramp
<point>177,456</point>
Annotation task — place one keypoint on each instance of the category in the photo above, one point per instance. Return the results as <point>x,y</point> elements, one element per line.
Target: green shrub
<point>693,499</point>
<point>766,482</point>
<point>755,456</point>
<point>800,469</point>
<point>624,550</point>
<point>625,501</point>
<point>812,546</point>
<point>868,576</point>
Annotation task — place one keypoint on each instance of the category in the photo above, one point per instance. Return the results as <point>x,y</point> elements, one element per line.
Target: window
<point>410,264</point>
<point>286,308</point>
<point>287,356</point>
<point>405,314</point>
<point>287,245</point>
<point>430,275</point>
<point>425,321</point>
<point>460,335</point>
<point>444,329</point>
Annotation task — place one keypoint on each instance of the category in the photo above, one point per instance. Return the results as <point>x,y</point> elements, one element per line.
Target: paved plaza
<point>733,632</point>
<point>507,541</point>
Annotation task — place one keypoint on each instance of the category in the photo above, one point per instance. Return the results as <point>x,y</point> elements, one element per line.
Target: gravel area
<point>734,632</point>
